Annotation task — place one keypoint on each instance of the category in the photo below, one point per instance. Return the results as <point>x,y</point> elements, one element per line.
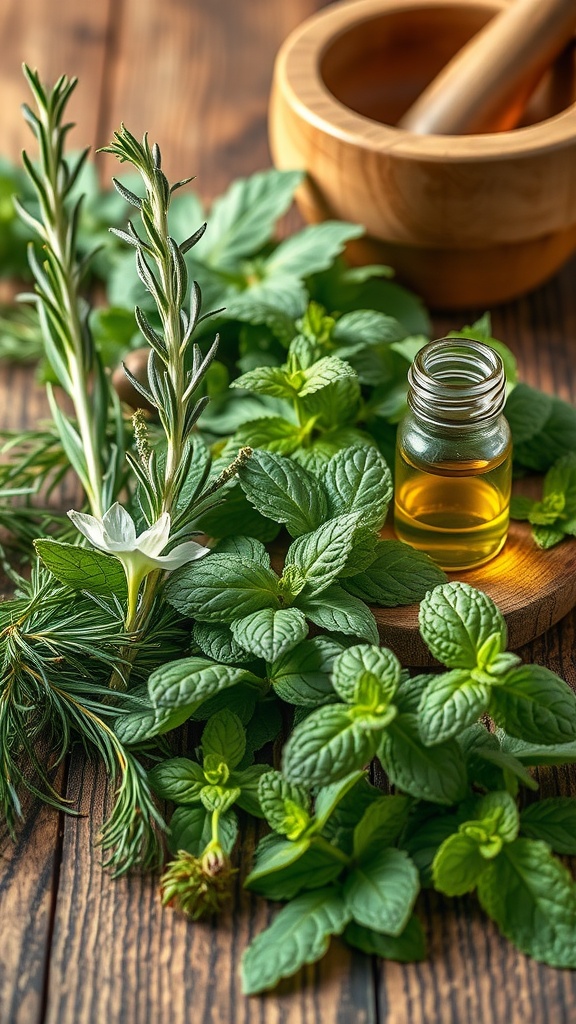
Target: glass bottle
<point>454,455</point>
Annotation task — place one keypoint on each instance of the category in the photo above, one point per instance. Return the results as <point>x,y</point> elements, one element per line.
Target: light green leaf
<point>456,620</point>
<point>284,805</point>
<point>334,609</point>
<point>312,249</point>
<point>358,480</point>
<point>451,702</point>
<point>299,935</point>
<point>219,798</point>
<point>435,773</point>
<point>244,217</point>
<point>381,890</point>
<point>499,813</point>
<point>324,372</point>
<point>247,782</point>
<point>553,821</point>
<point>178,779</point>
<point>458,865</point>
<point>380,825</point>
<point>328,745</point>
<point>408,947</point>
<point>534,704</point>
<point>321,555</point>
<point>532,898</point>
<point>267,380</point>
<point>224,736</point>
<point>329,797</point>
<point>82,568</point>
<point>284,491</point>
<point>303,676</point>
<point>284,868</point>
<point>247,548</point>
<point>226,588</point>
<point>397,575</point>
<point>362,659</point>
<point>140,726</point>
<point>188,682</point>
<point>535,754</point>
<point>366,327</point>
<point>191,830</point>
<point>268,634</point>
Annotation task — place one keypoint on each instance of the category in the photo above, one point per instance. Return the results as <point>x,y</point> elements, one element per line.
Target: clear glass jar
<point>454,455</point>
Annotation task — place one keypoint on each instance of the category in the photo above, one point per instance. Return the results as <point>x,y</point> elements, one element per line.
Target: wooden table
<point>76,947</point>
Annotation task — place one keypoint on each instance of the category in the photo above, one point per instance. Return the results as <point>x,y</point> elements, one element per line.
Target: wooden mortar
<point>467,220</point>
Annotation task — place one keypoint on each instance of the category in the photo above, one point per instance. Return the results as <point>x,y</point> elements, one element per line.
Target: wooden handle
<point>486,85</point>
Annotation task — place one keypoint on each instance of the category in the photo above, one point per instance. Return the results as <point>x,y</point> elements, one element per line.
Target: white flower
<point>115,534</point>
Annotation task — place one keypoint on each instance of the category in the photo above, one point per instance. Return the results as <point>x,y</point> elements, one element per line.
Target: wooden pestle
<point>486,85</point>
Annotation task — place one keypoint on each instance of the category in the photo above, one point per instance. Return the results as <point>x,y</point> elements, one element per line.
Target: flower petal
<point>119,526</point>
<point>153,540</point>
<point>90,526</point>
<point>187,552</point>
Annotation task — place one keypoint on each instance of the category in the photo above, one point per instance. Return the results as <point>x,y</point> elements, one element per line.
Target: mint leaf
<point>534,704</point>
<point>284,868</point>
<point>274,433</point>
<point>360,661</point>
<point>397,575</point>
<point>547,536</point>
<point>336,610</point>
<point>381,890</point>
<point>499,813</point>
<point>224,737</point>
<point>82,568</point>
<point>247,781</point>
<point>328,745</point>
<point>532,899</point>
<point>270,633</point>
<point>330,797</point>
<point>380,825</point>
<point>553,440</point>
<point>435,773</point>
<point>299,935</point>
<point>243,218</point>
<point>267,380</point>
<point>451,702</point>
<point>234,515</point>
<point>358,480</point>
<point>561,480</point>
<point>527,410</point>
<point>215,640</point>
<point>456,620</point>
<point>190,681</point>
<point>226,588</point>
<point>284,491</point>
<point>366,327</point>
<point>312,249</point>
<point>140,726</point>
<point>284,805</point>
<point>408,947</point>
<point>536,754</point>
<point>326,371</point>
<point>302,676</point>
<point>458,865</point>
<point>321,555</point>
<point>191,830</point>
<point>520,507</point>
<point>178,779</point>
<point>553,821</point>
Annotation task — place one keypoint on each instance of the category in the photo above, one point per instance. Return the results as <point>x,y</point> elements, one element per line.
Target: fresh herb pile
<point>128,625</point>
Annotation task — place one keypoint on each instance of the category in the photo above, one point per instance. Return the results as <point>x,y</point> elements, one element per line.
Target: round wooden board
<point>532,588</point>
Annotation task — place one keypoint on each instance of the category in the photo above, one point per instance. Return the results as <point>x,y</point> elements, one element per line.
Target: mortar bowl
<point>466,221</point>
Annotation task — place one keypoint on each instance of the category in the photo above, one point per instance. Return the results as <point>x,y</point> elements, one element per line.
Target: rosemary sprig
<point>63,312</point>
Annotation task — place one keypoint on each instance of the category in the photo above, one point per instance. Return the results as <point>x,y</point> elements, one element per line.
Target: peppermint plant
<point>554,517</point>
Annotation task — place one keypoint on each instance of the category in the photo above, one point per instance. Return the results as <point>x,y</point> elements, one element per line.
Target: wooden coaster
<point>534,589</point>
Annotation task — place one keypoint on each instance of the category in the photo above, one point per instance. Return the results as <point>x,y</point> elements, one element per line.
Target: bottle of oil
<point>454,455</point>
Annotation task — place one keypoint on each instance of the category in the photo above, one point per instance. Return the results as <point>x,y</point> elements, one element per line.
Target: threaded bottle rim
<point>456,381</point>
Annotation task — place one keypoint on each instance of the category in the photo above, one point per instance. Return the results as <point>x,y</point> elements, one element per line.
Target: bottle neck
<point>457,382</point>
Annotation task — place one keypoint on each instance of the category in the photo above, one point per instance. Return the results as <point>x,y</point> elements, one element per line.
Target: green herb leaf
<point>553,821</point>
<point>299,935</point>
<point>284,491</point>
<point>82,568</point>
<point>532,899</point>
<point>191,830</point>
<point>398,575</point>
<point>285,806</point>
<point>225,588</point>
<point>408,947</point>
<point>190,681</point>
<point>178,779</point>
<point>312,249</point>
<point>435,773</point>
<point>269,633</point>
<point>381,890</point>
<point>534,704</point>
<point>327,745</point>
<point>224,736</point>
<point>451,702</point>
<point>360,661</point>
<point>321,555</point>
<point>458,865</point>
<point>284,868</point>
<point>380,825</point>
<point>215,640</point>
<point>456,621</point>
<point>302,676</point>
<point>336,610</point>
<point>358,480</point>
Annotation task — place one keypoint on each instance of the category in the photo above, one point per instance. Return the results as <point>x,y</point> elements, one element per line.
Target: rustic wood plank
<point>28,880</point>
<point>141,962</point>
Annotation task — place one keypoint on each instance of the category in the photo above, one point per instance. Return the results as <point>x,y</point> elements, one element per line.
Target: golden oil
<point>454,456</point>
